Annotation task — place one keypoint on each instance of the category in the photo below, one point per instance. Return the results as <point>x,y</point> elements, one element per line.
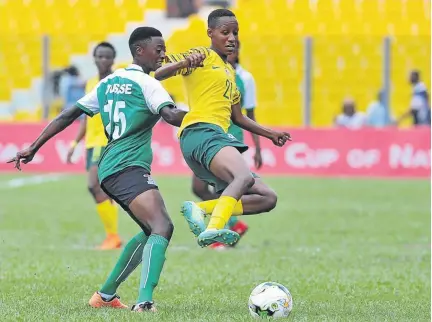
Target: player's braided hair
<point>214,16</point>
<point>142,34</point>
<point>104,44</point>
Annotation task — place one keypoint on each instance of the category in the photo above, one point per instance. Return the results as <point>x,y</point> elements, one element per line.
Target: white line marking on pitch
<point>28,181</point>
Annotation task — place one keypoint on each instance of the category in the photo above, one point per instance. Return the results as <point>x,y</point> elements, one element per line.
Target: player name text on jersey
<point>119,89</point>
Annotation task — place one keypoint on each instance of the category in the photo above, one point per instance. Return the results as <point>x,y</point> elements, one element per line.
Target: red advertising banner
<point>330,152</point>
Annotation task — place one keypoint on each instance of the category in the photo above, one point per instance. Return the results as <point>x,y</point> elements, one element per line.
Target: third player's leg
<point>107,210</point>
<point>93,185</point>
<point>259,198</point>
<point>201,189</point>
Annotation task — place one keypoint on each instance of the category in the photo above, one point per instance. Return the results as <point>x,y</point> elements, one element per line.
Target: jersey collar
<point>134,67</point>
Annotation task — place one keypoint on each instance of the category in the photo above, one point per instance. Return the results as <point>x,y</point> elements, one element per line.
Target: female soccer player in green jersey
<point>130,103</point>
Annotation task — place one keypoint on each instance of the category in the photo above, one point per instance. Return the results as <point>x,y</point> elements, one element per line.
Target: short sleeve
<point>156,96</point>
<point>236,97</point>
<point>249,96</point>
<point>174,58</point>
<point>89,103</point>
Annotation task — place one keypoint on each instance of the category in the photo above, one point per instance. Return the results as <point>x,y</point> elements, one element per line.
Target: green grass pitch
<point>348,250</point>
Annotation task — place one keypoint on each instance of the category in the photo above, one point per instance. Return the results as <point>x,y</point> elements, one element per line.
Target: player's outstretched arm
<point>278,138</point>
<point>80,135</point>
<point>183,66</point>
<point>250,113</point>
<point>170,70</point>
<point>62,121</point>
<point>172,115</point>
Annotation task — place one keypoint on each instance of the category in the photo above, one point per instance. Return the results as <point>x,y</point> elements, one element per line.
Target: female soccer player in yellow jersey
<point>96,141</point>
<point>213,155</point>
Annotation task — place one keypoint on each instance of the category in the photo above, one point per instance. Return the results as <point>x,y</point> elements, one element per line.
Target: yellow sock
<point>238,209</point>
<point>209,205</point>
<point>108,213</point>
<point>222,212</point>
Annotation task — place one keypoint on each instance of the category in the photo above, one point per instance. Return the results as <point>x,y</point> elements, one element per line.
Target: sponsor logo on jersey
<point>149,179</point>
<point>230,136</point>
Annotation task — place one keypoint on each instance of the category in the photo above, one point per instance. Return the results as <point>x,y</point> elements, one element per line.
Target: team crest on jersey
<point>227,72</point>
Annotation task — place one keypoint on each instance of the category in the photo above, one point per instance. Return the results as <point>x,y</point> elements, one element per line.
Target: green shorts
<point>237,132</point>
<point>199,144</point>
<point>93,156</point>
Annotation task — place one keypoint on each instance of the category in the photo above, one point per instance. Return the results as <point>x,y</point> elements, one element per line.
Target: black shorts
<point>124,186</point>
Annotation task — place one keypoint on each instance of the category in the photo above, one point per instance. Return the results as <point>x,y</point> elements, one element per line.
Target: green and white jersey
<point>246,85</point>
<point>129,102</point>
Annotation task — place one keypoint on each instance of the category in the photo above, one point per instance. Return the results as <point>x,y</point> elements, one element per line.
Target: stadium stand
<point>71,26</point>
<point>347,47</point>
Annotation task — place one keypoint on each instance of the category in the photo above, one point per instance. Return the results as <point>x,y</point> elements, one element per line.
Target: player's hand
<point>195,60</point>
<point>25,156</point>
<point>258,159</point>
<point>280,138</point>
<point>70,154</point>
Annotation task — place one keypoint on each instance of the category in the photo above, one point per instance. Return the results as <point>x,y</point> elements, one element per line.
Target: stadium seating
<point>347,52</point>
<point>70,24</point>
<point>347,46</point>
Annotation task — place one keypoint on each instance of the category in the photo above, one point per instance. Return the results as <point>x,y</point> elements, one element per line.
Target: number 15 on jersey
<point>116,118</point>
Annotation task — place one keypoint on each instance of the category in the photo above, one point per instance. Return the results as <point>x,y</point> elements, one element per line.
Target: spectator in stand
<point>377,115</point>
<point>350,118</point>
<point>72,87</point>
<point>419,108</point>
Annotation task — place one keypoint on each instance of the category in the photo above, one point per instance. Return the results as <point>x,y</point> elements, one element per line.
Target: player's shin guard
<point>129,259</point>
<point>222,212</point>
<point>153,261</point>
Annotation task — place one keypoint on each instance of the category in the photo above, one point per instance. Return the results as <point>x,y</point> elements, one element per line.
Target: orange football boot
<point>97,302</point>
<point>112,241</point>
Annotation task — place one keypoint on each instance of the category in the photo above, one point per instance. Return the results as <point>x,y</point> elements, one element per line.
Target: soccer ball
<point>270,299</point>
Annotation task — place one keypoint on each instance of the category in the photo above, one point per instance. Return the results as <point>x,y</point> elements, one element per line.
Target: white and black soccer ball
<point>270,300</point>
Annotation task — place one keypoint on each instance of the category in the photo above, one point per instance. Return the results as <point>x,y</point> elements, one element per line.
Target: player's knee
<point>247,180</point>
<point>198,191</point>
<point>97,192</point>
<point>163,226</point>
<point>93,189</point>
<point>271,200</point>
<point>167,230</point>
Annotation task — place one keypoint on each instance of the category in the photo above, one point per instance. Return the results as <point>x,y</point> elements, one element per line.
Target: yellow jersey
<point>211,89</point>
<point>95,133</point>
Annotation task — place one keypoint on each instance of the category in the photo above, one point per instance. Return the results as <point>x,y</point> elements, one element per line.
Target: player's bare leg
<point>259,198</point>
<point>107,210</point>
<point>201,189</point>
<point>149,209</point>
<point>148,246</point>
<point>229,166</point>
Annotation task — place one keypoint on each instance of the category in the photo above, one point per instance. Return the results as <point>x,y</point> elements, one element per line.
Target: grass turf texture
<point>348,250</point>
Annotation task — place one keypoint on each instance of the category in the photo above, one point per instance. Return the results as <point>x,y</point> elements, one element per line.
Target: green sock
<point>233,220</point>
<point>153,261</point>
<point>129,259</point>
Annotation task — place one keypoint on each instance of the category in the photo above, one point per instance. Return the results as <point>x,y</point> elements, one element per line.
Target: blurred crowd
<point>69,86</point>
<point>377,114</point>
